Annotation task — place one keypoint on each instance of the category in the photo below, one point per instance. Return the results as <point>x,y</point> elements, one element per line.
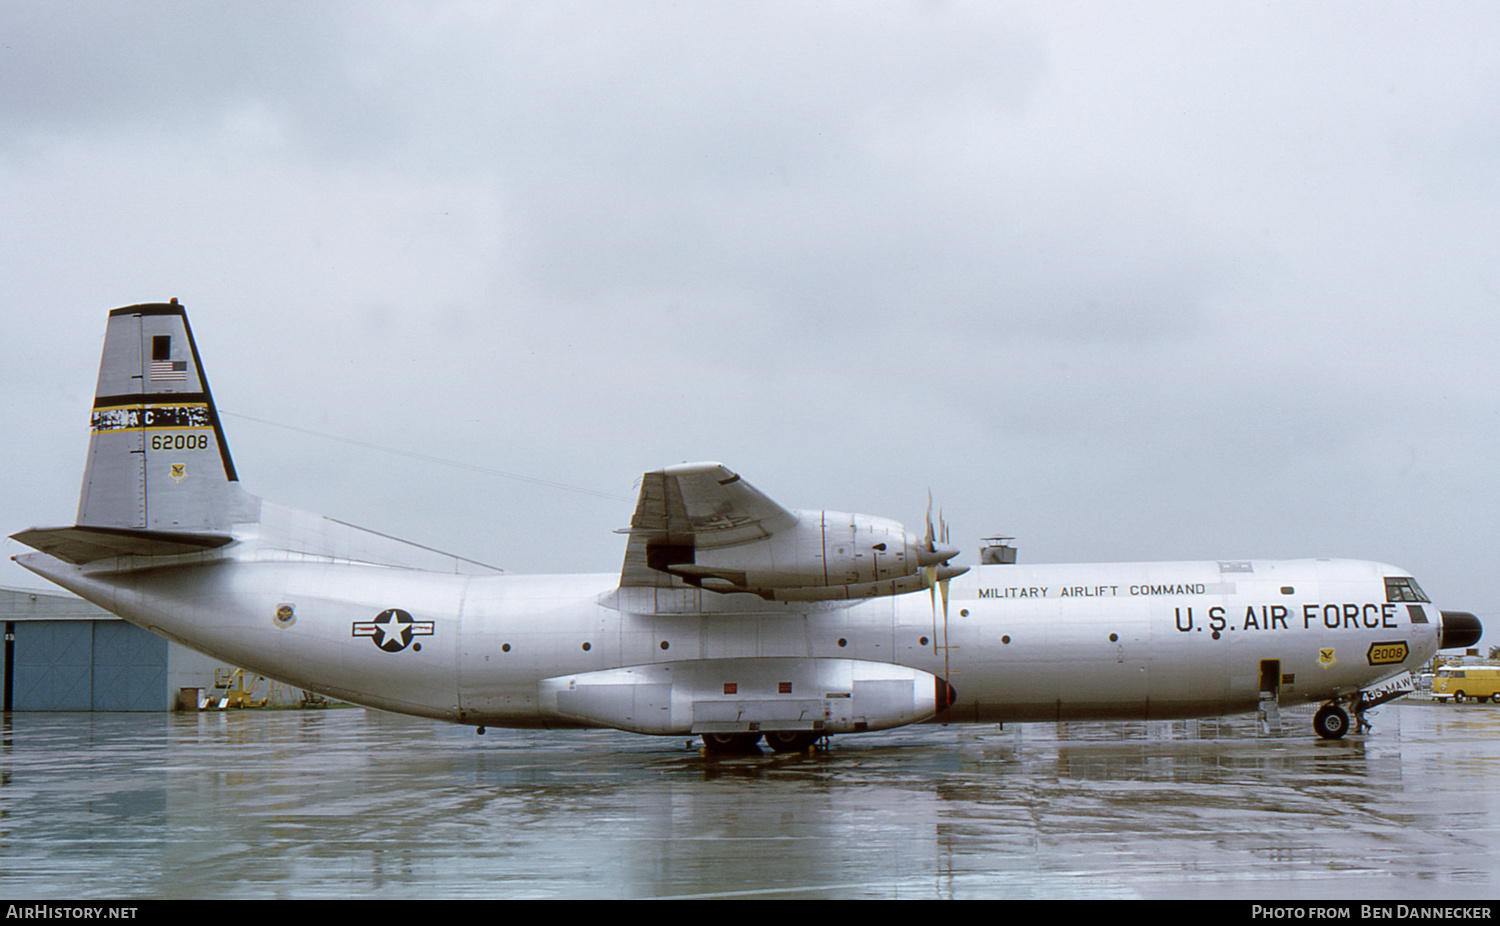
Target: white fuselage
<point>731,616</point>
<point>1017,643</point>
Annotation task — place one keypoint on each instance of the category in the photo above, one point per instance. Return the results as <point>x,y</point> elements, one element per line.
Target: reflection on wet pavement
<point>349,803</point>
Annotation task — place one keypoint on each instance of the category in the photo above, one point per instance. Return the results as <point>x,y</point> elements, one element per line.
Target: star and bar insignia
<point>393,630</point>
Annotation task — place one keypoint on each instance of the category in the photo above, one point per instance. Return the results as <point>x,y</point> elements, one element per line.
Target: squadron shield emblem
<point>393,630</point>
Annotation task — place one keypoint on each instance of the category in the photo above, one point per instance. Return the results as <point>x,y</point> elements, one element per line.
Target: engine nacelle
<point>748,696</point>
<point>825,555</point>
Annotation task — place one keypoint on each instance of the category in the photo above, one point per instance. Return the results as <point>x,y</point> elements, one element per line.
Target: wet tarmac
<point>346,803</point>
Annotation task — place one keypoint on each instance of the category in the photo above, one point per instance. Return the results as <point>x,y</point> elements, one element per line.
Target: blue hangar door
<point>87,666</point>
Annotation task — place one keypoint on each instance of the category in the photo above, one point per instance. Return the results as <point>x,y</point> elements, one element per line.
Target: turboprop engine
<point>704,525</point>
<point>824,555</point>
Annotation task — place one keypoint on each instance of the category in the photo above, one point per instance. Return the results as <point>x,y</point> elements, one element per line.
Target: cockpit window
<point>1402,588</point>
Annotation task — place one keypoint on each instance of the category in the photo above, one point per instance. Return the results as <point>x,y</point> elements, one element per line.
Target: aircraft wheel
<point>1331,722</point>
<point>791,740</point>
<point>726,743</point>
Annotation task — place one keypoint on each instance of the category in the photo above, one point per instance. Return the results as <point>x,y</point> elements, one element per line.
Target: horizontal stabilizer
<point>82,544</point>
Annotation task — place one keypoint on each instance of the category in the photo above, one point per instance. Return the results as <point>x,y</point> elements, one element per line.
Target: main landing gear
<point>741,743</point>
<point>730,743</point>
<point>791,740</point>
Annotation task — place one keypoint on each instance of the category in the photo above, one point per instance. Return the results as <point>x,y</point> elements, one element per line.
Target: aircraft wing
<point>694,506</point>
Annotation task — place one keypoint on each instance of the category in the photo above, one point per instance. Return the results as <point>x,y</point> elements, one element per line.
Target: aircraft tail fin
<point>157,460</point>
<point>160,482</point>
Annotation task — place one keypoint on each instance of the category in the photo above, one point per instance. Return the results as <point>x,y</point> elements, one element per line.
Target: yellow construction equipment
<point>233,688</point>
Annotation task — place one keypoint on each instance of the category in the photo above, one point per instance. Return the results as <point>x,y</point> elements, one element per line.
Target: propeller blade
<point>929,578</point>
<point>931,552</point>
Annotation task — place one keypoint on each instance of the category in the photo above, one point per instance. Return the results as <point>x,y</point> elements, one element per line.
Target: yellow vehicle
<point>1461,683</point>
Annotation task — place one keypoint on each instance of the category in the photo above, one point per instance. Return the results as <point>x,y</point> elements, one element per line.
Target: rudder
<point>157,456</point>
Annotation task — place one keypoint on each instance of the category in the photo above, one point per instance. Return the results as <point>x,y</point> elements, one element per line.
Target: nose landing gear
<point>1331,722</point>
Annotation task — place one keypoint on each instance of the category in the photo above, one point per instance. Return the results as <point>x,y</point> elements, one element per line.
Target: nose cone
<point>1460,629</point>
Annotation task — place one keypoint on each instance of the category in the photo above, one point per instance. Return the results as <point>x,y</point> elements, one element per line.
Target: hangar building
<point>63,654</point>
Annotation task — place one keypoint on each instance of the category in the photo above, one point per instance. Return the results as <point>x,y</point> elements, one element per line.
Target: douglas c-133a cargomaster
<point>732,617</point>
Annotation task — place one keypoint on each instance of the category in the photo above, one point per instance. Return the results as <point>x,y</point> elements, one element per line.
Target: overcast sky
<point>1132,281</point>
